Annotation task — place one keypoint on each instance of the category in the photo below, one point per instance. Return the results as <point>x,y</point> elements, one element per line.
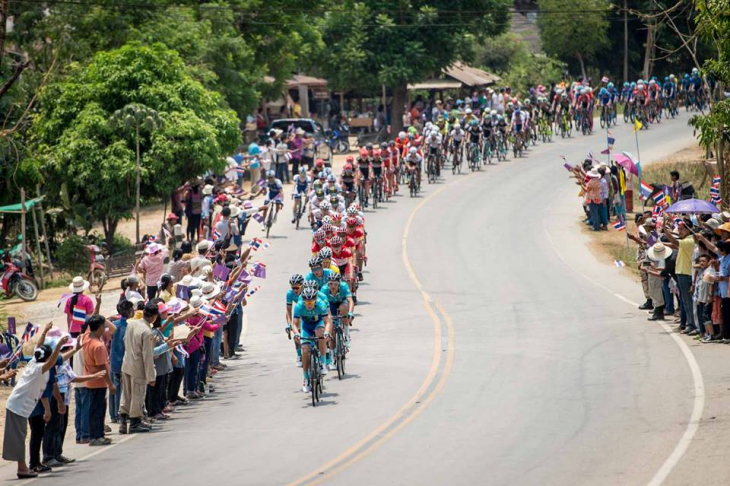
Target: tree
<point>76,146</point>
<point>136,118</point>
<point>396,42</point>
<point>713,21</point>
<point>575,29</point>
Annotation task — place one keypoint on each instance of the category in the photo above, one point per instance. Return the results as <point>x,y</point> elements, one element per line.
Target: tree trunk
<point>649,49</point>
<point>110,229</point>
<point>626,42</point>
<point>721,170</point>
<point>136,210</point>
<point>4,9</point>
<point>582,65</point>
<point>398,107</point>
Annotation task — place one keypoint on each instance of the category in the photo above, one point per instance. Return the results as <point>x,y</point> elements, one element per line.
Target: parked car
<point>312,129</point>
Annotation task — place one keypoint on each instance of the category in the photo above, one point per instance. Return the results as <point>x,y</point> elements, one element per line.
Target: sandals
<point>27,474</point>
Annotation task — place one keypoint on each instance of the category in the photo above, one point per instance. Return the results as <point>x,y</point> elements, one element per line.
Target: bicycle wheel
<point>313,377</point>
<point>339,354</point>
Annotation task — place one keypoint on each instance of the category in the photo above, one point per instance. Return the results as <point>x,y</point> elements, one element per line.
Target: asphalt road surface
<point>490,347</point>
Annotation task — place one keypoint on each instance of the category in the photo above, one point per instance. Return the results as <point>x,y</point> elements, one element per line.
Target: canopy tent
<point>456,76</point>
<point>18,208</point>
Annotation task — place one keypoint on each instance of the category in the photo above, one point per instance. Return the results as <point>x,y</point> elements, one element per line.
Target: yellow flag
<point>637,125</point>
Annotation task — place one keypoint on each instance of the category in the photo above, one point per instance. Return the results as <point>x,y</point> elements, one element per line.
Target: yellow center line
<point>417,403</point>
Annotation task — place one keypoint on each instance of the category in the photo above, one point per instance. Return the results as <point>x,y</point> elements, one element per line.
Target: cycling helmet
<point>671,76</point>
<point>335,241</point>
<point>633,84</point>
<point>325,205</point>
<point>327,227</point>
<point>334,200</point>
<point>322,175</point>
<point>603,92</point>
<point>517,109</point>
<point>319,193</point>
<point>334,277</point>
<point>527,101</point>
<point>695,71</point>
<point>363,153</point>
<point>500,117</point>
<point>384,146</point>
<point>474,123</point>
<point>652,82</point>
<point>271,173</point>
<point>302,170</point>
<point>610,85</point>
<point>377,153</point>
<point>457,126</point>
<point>411,136</point>
<point>413,150</point>
<point>369,147</point>
<point>401,135</point>
<point>493,112</point>
<point>296,279</point>
<point>351,221</point>
<point>309,294</point>
<point>352,211</point>
<point>563,95</point>
<point>349,159</point>
<point>311,284</point>
<point>468,111</point>
<point>434,134</point>
<point>347,166</point>
<point>315,261</point>
<point>391,143</point>
<point>325,253</point>
<point>331,178</point>
<point>626,84</point>
<point>319,235</point>
<point>666,79</point>
<point>459,102</point>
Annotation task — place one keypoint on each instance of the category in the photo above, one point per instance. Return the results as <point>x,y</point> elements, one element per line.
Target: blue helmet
<point>633,84</point>
<point>626,84</point>
<point>666,79</point>
<point>610,85</point>
<point>603,92</point>
<point>686,76</point>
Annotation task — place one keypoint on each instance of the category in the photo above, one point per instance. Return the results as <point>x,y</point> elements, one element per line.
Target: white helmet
<point>457,125</point>
<point>434,134</point>
<point>302,170</point>
<point>325,205</point>
<point>413,151</point>
<point>652,82</point>
<point>493,112</point>
<point>401,135</point>
<point>271,173</point>
<point>468,111</point>
<point>331,178</point>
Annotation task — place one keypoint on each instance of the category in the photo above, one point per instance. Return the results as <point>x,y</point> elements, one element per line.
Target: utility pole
<point>626,42</point>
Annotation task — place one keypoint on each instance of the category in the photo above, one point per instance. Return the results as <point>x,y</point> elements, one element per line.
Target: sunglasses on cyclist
<point>296,287</point>
<point>314,269</point>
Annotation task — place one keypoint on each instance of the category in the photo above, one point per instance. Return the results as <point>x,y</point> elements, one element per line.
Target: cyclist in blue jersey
<point>274,189</point>
<point>311,319</point>
<point>340,301</point>
<point>318,273</point>
<point>626,92</point>
<point>292,297</point>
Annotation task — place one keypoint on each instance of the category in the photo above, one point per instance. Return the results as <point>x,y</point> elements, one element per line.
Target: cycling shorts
<point>274,196</point>
<point>301,190</point>
<point>518,128</point>
<point>335,307</point>
<point>377,171</point>
<point>349,186</point>
<point>433,150</point>
<point>309,328</point>
<point>365,172</point>
<point>345,270</point>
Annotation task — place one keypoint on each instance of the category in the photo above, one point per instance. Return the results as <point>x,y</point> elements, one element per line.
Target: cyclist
<point>696,86</point>
<point>347,179</point>
<point>413,164</point>
<point>318,273</point>
<point>433,147</point>
<point>311,320</point>
<point>301,186</point>
<point>654,93</point>
<point>670,91</point>
<point>292,297</point>
<point>363,165</point>
<point>357,233</point>
<point>474,137</point>
<point>455,137</point>
<point>392,167</point>
<point>326,255</point>
<point>341,303</point>
<point>605,98</point>
<point>376,163</point>
<point>275,191</point>
<point>489,127</point>
<point>518,124</point>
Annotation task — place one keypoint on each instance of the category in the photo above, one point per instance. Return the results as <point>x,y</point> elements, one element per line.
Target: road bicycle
<point>316,378</point>
<point>456,160</point>
<point>340,350</point>
<point>474,157</point>
<point>566,127</point>
<point>298,209</point>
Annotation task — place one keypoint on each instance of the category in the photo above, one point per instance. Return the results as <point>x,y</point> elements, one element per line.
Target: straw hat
<point>235,211</point>
<point>176,305</point>
<point>207,190</point>
<point>712,223</point>
<point>78,285</point>
<point>186,281</point>
<point>723,227</point>
<point>196,301</point>
<point>196,282</point>
<point>725,216</point>
<point>203,245</point>
<point>659,252</point>
<point>232,247</point>
<point>210,290</point>
<point>593,174</point>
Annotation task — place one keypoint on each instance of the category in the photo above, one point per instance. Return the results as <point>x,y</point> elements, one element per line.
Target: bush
<point>72,256</point>
<point>120,244</point>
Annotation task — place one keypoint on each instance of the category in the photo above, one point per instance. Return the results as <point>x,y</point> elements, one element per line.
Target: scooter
<point>15,281</point>
<point>97,268</point>
<point>339,139</point>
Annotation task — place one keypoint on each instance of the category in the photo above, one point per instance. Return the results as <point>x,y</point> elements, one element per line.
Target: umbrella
<point>694,206</point>
<point>625,161</point>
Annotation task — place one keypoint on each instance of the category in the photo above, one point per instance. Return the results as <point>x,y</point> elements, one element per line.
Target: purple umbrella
<point>695,206</point>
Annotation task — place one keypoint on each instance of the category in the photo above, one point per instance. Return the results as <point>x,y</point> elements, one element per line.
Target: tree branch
<point>16,74</point>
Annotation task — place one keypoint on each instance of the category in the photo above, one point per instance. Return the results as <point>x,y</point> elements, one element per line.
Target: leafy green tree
<point>77,147</point>
<point>399,42</point>
<point>578,35</point>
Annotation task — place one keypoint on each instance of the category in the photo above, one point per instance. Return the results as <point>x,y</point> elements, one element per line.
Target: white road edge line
<point>699,384</point>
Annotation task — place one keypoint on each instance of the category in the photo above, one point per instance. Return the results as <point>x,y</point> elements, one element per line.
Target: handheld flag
<point>716,180</point>
<point>259,270</point>
<point>258,217</point>
<point>611,140</point>
<point>619,225</point>
<point>659,199</point>
<point>637,125</point>
<point>180,349</point>
<point>606,151</point>
<point>167,233</point>
<point>221,271</point>
<point>619,263</point>
<point>252,291</point>
<point>63,300</point>
<point>645,190</point>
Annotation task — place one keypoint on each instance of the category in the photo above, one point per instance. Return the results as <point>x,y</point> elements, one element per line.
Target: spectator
<point>685,246</point>
<point>126,312</point>
<point>79,306</point>
<point>152,266</point>
<point>178,267</point>
<point>138,371</point>
<point>96,359</point>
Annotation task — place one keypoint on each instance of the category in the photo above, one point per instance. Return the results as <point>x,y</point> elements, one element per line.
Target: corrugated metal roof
<point>470,76</point>
<point>436,84</point>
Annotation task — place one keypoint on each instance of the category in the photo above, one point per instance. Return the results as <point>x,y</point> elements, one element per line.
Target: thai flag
<point>255,244</point>
<point>168,235</point>
<point>216,234</point>
<point>611,140</point>
<point>619,225</point>
<point>715,191</point>
<point>645,190</point>
<point>79,315</point>
<point>619,263</point>
<point>676,220</point>
<point>30,331</point>
<point>716,180</point>
<point>659,199</point>
<point>288,156</point>
<point>252,291</point>
<point>716,200</point>
<point>151,239</point>
<point>181,349</point>
<point>218,308</point>
<point>657,211</point>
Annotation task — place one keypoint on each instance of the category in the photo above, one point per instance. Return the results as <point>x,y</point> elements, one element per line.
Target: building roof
<point>436,84</point>
<point>470,76</point>
<point>303,80</point>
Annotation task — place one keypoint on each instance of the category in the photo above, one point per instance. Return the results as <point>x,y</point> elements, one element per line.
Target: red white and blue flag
<point>619,225</point>
<point>660,199</point>
<point>645,190</point>
<point>716,180</point>
<point>78,315</point>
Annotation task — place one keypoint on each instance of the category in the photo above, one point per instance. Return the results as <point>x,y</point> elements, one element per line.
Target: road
<point>491,347</point>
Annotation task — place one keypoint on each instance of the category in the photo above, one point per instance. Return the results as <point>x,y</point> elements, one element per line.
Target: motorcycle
<point>15,281</point>
<point>97,275</point>
<point>338,139</point>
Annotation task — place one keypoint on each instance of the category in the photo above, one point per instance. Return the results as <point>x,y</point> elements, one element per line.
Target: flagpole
<point>638,160</point>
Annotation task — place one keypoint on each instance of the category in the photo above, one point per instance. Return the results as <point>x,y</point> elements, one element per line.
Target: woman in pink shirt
<point>152,267</point>
<point>79,306</point>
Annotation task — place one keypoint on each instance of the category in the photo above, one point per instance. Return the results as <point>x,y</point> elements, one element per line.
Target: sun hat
<point>712,223</point>
<point>725,216</point>
<point>78,285</point>
<point>162,307</point>
<point>232,247</point>
<point>235,211</point>
<point>299,131</point>
<point>186,281</point>
<point>649,222</point>
<point>176,305</point>
<point>593,173</point>
<point>207,190</point>
<point>203,245</point>
<point>723,227</point>
<point>197,282</point>
<point>196,301</point>
<point>659,252</point>
<point>196,292</point>
<point>172,216</point>
<point>152,248</point>
<point>210,290</point>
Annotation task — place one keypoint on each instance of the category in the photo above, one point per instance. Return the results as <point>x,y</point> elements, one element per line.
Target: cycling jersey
<point>311,319</point>
<point>343,292</point>
<point>291,297</point>
<point>321,281</point>
<point>458,135</point>
<point>274,187</point>
<point>302,182</point>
